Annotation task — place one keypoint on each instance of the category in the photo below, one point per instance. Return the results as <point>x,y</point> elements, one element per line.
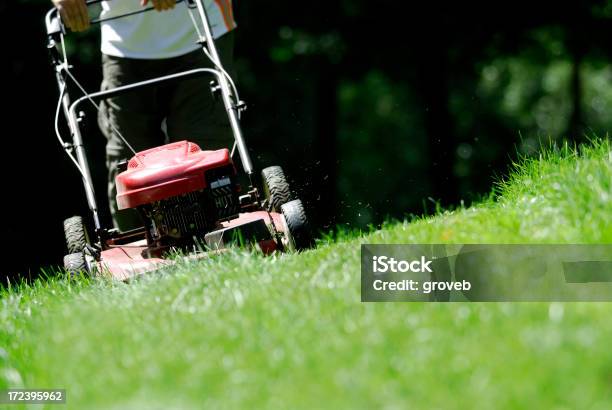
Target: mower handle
<point>56,26</point>
<point>128,88</point>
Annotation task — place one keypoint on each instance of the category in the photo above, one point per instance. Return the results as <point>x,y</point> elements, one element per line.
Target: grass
<point>288,331</point>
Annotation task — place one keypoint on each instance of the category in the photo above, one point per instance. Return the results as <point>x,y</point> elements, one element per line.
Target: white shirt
<point>157,35</point>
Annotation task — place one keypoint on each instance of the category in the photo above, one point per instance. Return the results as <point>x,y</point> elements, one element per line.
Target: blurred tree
<point>371,107</point>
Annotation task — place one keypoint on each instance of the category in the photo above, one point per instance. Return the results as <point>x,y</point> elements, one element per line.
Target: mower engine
<point>180,191</point>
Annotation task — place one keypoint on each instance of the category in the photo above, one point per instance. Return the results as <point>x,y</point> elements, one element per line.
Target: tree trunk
<point>432,77</point>
<point>325,145</point>
<point>576,126</point>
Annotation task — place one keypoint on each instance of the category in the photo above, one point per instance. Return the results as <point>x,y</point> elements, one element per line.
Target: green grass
<point>288,331</point>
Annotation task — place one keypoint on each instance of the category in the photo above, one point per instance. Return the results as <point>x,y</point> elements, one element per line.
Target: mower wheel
<point>299,233</point>
<point>276,188</point>
<point>75,263</point>
<point>76,234</point>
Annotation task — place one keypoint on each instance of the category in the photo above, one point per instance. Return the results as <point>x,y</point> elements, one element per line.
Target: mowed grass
<point>289,331</point>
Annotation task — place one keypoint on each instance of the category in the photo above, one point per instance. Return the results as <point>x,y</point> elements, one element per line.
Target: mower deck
<point>126,261</point>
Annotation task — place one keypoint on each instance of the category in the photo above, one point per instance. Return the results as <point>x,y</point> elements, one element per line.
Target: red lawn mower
<point>188,198</point>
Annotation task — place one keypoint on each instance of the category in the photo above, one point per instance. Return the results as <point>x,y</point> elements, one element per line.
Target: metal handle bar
<point>55,25</point>
<point>132,13</point>
<point>101,95</point>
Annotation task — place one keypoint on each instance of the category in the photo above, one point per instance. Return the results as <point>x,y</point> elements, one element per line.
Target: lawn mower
<point>189,198</point>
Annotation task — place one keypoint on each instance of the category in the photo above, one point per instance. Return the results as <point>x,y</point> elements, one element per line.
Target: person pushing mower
<point>172,141</point>
<point>144,46</point>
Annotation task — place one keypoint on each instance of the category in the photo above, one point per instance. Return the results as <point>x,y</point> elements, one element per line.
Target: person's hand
<point>74,13</point>
<point>160,5</point>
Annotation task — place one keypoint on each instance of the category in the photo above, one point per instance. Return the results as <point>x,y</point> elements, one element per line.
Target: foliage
<point>348,98</point>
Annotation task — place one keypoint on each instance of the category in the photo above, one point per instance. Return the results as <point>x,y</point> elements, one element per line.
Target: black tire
<point>300,233</point>
<point>76,234</point>
<point>75,264</point>
<point>276,188</point>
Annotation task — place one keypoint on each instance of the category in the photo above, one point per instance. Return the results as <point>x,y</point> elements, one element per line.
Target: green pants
<point>160,114</point>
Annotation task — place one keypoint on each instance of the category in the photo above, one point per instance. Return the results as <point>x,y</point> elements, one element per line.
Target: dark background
<point>376,109</point>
